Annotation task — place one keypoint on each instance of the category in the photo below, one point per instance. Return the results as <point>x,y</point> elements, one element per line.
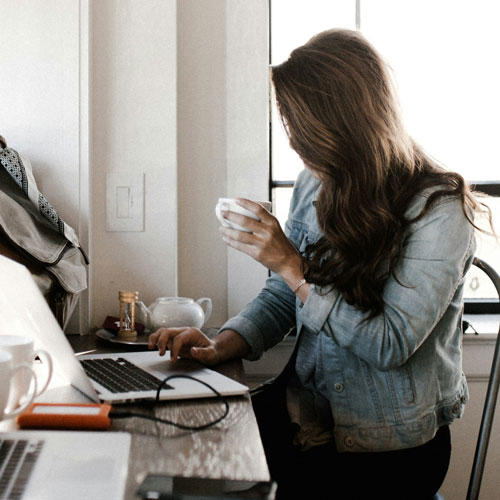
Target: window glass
<point>443,55</point>
<point>478,285</point>
<point>281,197</point>
<point>445,60</point>
<point>293,23</point>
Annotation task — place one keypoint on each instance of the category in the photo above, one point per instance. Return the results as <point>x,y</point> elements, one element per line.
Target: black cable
<point>115,414</point>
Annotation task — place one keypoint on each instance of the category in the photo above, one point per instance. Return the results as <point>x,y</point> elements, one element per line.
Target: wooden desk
<point>232,449</point>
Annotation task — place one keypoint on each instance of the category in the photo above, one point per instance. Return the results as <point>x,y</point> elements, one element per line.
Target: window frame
<point>484,306</point>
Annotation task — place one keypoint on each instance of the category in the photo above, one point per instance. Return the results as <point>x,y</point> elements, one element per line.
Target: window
<point>292,23</point>
<point>443,57</point>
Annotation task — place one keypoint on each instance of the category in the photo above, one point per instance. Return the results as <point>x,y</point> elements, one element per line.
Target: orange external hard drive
<point>65,416</point>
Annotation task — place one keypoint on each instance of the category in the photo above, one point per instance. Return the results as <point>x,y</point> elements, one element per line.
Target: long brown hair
<point>339,109</point>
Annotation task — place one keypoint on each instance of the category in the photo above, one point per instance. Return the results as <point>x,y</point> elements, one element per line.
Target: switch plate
<point>124,201</point>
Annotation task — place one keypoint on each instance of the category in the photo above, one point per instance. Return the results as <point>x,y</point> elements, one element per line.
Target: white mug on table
<point>231,205</point>
<point>7,373</point>
<point>23,353</point>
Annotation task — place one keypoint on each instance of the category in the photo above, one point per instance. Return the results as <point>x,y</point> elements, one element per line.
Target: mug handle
<point>48,358</point>
<point>207,308</point>
<point>218,209</point>
<point>17,411</point>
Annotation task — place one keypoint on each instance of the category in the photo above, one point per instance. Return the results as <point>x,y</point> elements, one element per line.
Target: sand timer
<point>127,314</point>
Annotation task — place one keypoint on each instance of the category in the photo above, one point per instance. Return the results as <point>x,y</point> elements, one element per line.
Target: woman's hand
<point>189,342</point>
<point>267,243</point>
<point>185,342</point>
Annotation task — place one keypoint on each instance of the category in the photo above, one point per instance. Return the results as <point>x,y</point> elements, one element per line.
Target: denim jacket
<point>393,380</point>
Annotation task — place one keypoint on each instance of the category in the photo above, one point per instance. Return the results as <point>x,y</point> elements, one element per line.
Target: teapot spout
<point>144,314</point>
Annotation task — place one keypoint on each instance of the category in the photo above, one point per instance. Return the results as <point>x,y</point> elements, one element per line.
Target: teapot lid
<point>182,300</point>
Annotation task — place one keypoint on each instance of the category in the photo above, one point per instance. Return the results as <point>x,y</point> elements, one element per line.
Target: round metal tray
<point>141,340</point>
<point>113,337</point>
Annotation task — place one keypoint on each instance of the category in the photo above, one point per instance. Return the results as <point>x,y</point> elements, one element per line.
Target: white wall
<point>169,98</point>
<point>247,130</point>
<point>41,114</point>
<point>222,148</point>
<point>201,122</point>
<point>176,90</point>
<point>133,123</point>
<point>39,89</point>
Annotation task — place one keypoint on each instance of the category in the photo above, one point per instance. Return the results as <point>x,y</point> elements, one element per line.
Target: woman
<point>370,272</point>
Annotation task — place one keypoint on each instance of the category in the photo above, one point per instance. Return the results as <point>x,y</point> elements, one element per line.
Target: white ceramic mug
<point>231,205</point>
<point>23,352</point>
<point>7,373</point>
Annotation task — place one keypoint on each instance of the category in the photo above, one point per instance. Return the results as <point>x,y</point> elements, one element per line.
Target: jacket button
<point>463,399</point>
<point>455,408</point>
<point>338,387</point>
<point>348,441</point>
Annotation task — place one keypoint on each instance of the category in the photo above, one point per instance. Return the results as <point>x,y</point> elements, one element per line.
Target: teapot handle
<point>206,304</point>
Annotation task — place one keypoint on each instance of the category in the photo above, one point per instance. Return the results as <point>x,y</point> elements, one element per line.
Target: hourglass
<point>127,314</point>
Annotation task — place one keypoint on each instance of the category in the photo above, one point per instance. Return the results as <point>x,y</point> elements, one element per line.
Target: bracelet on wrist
<point>298,285</point>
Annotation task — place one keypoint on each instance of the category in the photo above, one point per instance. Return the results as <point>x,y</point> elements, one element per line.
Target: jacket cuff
<point>250,332</point>
<point>317,308</point>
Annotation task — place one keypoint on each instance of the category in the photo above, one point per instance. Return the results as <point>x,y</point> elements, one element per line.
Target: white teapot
<point>174,311</point>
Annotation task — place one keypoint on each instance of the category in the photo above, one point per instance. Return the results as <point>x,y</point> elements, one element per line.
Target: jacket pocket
<point>406,385</point>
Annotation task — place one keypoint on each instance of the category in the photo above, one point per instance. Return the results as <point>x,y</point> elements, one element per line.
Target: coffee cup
<point>8,372</point>
<point>231,205</point>
<point>23,353</point>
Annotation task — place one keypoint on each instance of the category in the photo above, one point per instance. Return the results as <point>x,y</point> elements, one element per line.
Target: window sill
<point>478,349</point>
<point>486,326</point>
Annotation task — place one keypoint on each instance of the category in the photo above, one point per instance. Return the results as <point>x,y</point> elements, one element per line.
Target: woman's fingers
<point>236,234</point>
<point>267,243</point>
<point>182,343</point>
<point>153,338</point>
<point>161,339</point>
<point>186,342</point>
<point>254,207</point>
<point>253,225</point>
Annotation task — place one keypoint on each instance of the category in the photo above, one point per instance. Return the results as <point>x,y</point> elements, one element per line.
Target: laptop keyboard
<point>17,460</point>
<point>120,375</point>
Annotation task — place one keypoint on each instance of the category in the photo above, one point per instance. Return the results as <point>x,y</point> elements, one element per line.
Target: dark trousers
<point>323,473</point>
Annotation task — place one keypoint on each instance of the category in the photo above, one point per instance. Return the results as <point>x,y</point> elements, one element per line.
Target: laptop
<point>24,310</point>
<point>63,464</point>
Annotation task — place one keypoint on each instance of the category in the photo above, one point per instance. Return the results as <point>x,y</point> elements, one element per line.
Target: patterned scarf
<point>19,168</point>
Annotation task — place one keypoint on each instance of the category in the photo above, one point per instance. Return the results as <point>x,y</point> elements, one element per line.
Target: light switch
<point>124,201</point>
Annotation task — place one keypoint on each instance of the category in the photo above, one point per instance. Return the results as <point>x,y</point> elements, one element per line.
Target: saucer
<point>143,339</point>
<point>113,337</point>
